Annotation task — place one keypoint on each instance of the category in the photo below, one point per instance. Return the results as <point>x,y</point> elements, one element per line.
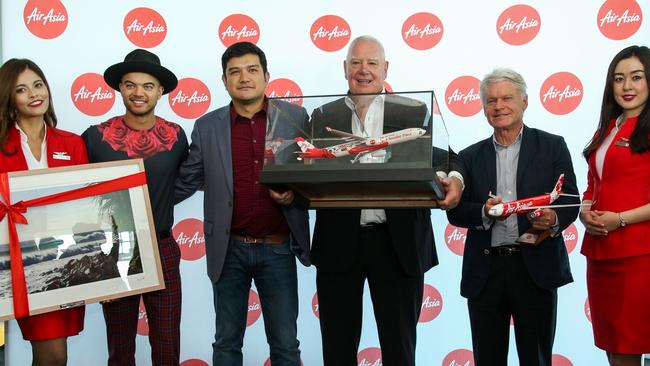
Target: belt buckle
<point>507,251</point>
<point>250,240</point>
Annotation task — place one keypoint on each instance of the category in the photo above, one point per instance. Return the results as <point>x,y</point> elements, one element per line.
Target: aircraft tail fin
<point>304,145</point>
<point>557,190</point>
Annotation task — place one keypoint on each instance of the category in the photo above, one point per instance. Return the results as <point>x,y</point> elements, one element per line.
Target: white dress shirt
<point>32,163</point>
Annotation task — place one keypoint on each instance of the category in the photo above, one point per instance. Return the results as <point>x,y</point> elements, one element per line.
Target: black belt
<point>164,234</point>
<point>507,250</point>
<point>373,226</point>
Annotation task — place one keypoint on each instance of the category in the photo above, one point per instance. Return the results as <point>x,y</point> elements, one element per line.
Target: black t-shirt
<point>163,147</point>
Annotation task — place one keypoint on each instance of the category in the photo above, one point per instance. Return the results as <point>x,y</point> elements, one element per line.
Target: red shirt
<point>624,185</point>
<point>63,148</point>
<point>254,212</point>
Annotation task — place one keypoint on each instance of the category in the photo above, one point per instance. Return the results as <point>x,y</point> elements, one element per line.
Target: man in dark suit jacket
<point>251,232</point>
<point>391,248</point>
<point>501,278</point>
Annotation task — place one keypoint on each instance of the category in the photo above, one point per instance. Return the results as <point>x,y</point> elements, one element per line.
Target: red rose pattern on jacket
<point>139,143</point>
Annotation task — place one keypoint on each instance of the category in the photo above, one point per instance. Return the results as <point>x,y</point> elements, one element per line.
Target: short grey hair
<point>366,38</point>
<point>503,74</point>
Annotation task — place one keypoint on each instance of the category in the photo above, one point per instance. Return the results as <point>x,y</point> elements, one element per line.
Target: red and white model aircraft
<point>532,205</point>
<point>357,145</point>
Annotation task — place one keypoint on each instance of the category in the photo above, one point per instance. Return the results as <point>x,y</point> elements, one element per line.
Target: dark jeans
<point>273,267</point>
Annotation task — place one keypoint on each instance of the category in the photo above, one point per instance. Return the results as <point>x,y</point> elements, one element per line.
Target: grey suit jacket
<point>209,166</point>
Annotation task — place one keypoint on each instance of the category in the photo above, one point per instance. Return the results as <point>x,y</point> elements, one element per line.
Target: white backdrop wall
<point>431,45</point>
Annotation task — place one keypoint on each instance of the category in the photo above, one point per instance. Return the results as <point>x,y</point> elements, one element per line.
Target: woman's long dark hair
<point>9,73</point>
<point>640,139</point>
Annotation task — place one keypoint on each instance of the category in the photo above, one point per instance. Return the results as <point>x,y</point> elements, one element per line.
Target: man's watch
<point>621,220</point>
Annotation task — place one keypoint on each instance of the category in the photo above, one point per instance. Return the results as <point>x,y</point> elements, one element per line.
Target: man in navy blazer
<point>390,248</point>
<point>251,232</point>
<point>501,278</point>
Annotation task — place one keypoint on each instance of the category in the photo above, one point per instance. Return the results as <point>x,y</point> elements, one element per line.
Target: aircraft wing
<point>556,206</point>
<point>344,135</point>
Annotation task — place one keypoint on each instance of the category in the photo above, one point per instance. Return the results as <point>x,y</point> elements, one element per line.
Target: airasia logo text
<point>523,24</point>
<point>238,34</point>
<point>188,100</point>
<point>422,31</point>
<point>91,96</point>
<point>566,93</point>
<point>335,32</point>
<point>619,19</point>
<point>464,98</point>
<point>44,18</point>
<point>428,30</point>
<point>238,28</point>
<point>330,33</point>
<point>612,18</point>
<point>138,27</point>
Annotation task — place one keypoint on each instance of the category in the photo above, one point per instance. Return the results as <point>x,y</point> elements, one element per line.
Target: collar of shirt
<point>32,163</point>
<point>518,139</point>
<point>234,114</point>
<point>373,123</point>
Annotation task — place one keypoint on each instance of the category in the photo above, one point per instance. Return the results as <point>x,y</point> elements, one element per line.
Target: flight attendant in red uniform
<point>29,140</point>
<point>617,223</point>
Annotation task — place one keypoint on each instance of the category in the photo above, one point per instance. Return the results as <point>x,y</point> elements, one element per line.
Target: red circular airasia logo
<point>587,309</point>
<point>190,99</point>
<point>284,88</point>
<point>91,95</point>
<point>462,96</point>
<point>45,19</point>
<point>431,304</point>
<point>144,27</point>
<point>518,24</point>
<point>559,360</point>
<point>330,33</point>
<point>459,357</point>
<point>370,356</point>
<point>619,19</point>
<point>238,28</point>
<point>254,308</point>
<point>190,238</point>
<point>455,239</point>
<point>422,31</point>
<point>314,305</point>
<point>570,235</point>
<point>143,322</point>
<point>194,362</point>
<point>561,93</point>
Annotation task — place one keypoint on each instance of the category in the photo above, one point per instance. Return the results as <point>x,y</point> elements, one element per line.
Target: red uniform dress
<point>618,265</point>
<point>62,323</point>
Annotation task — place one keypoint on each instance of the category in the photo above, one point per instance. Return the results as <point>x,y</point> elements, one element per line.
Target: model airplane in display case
<point>357,145</point>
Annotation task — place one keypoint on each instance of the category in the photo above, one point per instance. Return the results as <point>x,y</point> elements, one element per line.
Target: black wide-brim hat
<point>140,60</point>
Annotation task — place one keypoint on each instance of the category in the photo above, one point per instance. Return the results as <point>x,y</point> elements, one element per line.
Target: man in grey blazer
<point>251,232</point>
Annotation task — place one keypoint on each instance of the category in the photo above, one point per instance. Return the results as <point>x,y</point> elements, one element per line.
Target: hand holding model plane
<point>539,208</point>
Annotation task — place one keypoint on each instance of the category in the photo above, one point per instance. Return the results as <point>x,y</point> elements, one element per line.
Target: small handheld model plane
<point>532,205</point>
<point>356,145</point>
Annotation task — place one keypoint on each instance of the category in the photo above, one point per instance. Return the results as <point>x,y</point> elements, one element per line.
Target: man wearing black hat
<point>139,133</point>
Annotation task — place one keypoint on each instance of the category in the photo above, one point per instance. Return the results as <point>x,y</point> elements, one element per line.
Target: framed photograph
<point>81,250</point>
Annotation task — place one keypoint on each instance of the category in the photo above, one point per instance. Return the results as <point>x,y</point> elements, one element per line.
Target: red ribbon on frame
<point>14,213</point>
